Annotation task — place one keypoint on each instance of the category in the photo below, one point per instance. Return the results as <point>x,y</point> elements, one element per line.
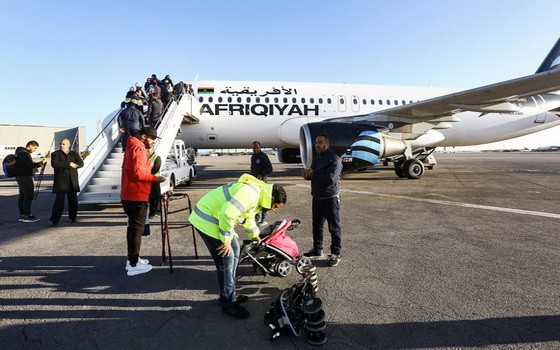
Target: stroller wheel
<point>303,264</point>
<point>283,268</point>
<point>317,338</point>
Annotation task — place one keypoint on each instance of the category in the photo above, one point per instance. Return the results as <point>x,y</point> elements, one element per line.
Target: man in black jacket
<point>130,121</point>
<point>65,163</point>
<point>324,174</point>
<point>260,168</point>
<point>25,168</point>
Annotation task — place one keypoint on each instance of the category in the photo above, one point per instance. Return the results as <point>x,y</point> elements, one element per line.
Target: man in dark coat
<point>260,168</point>
<point>65,163</point>
<point>324,174</point>
<point>131,121</point>
<point>25,168</point>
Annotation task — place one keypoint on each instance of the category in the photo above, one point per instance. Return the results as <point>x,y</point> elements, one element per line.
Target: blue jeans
<point>262,216</point>
<point>225,266</point>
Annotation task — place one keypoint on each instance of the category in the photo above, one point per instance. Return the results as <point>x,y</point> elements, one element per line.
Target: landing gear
<point>413,168</point>
<point>409,168</point>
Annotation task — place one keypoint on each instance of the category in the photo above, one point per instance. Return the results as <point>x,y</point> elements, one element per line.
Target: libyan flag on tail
<point>205,90</point>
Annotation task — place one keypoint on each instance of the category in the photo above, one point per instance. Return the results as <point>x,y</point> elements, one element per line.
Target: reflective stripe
<point>225,188</point>
<point>232,200</point>
<point>205,216</point>
<point>225,233</point>
<point>256,189</point>
<point>237,204</point>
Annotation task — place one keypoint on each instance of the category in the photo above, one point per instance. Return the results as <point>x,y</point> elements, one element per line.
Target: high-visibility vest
<point>236,203</point>
<point>153,158</point>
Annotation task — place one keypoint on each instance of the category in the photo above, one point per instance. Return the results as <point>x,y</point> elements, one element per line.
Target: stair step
<point>103,188</point>
<point>101,174</point>
<point>95,198</point>
<point>110,167</point>
<point>111,181</point>
<point>113,161</point>
<point>115,156</point>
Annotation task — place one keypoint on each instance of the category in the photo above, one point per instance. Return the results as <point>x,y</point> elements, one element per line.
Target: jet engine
<point>359,145</point>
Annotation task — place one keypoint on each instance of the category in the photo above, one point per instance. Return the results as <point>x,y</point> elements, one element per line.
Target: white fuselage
<point>233,114</point>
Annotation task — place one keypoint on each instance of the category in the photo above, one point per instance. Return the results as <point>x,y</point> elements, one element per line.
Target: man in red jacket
<point>136,182</point>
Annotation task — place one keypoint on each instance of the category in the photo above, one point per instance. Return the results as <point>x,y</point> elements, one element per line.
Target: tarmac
<point>466,257</point>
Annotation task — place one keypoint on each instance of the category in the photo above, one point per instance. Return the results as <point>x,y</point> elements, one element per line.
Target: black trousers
<point>327,209</point>
<point>136,212</point>
<point>154,199</point>
<point>58,206</point>
<point>26,194</point>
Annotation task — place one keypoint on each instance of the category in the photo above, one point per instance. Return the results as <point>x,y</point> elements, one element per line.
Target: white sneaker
<point>140,261</point>
<point>263,223</point>
<point>29,218</point>
<point>138,269</point>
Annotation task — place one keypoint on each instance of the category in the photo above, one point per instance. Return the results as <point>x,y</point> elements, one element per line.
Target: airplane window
<point>302,100</point>
<point>266,99</point>
<point>239,99</point>
<point>396,102</point>
<point>294,100</point>
<point>229,99</point>
<point>248,99</point>
<point>329,101</point>
<point>276,100</point>
<point>320,100</point>
<point>312,100</point>
<point>364,101</point>
<point>201,99</point>
<point>403,102</point>
<point>210,99</point>
<point>258,99</point>
<point>372,101</point>
<point>285,100</point>
<point>380,102</point>
<point>341,101</point>
<point>220,99</point>
<point>411,101</point>
<point>355,101</point>
<point>389,102</point>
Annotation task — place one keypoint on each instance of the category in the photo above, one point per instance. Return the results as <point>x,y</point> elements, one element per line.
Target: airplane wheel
<point>413,169</point>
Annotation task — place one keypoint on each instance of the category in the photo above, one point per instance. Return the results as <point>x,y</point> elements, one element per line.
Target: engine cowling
<point>359,145</point>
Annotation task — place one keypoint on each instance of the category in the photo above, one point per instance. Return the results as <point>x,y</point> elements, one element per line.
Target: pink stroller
<point>276,253</point>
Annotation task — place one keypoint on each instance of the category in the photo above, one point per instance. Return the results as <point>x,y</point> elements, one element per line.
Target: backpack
<point>9,165</point>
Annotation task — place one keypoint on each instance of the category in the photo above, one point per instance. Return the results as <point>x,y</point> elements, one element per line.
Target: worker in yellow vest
<point>215,216</point>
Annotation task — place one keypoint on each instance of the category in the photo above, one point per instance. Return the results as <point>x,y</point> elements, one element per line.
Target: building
<point>48,137</point>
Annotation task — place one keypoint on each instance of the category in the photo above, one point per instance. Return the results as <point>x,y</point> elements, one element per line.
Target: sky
<point>70,62</point>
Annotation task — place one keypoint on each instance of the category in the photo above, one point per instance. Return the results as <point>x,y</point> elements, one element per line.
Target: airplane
<point>368,124</point>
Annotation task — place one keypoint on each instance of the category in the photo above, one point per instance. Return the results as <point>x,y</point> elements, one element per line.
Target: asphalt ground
<point>466,257</point>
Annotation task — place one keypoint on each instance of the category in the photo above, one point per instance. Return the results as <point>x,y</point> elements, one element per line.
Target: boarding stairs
<point>100,177</point>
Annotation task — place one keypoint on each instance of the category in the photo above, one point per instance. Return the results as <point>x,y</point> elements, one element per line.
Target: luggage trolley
<point>165,227</point>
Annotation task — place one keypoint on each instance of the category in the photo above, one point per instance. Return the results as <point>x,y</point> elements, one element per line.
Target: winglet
<point>552,60</point>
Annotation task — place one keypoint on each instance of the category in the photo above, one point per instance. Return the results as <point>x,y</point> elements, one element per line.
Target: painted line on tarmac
<point>457,204</point>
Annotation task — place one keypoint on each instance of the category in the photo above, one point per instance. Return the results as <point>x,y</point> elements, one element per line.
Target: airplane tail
<point>552,60</point>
